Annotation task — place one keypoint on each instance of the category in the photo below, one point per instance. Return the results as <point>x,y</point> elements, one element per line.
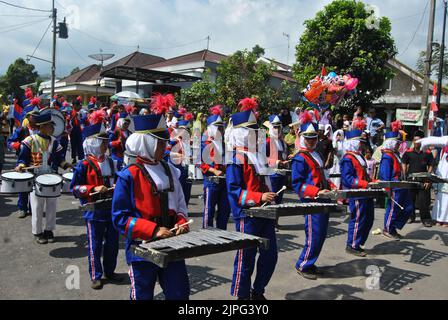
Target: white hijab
<point>215,136</point>
<point>92,147</point>
<point>142,145</point>
<point>354,146</point>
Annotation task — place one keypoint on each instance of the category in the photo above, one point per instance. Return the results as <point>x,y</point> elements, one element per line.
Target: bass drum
<point>58,118</point>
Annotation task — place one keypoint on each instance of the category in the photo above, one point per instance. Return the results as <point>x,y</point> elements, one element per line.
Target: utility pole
<point>53,63</point>
<point>208,42</point>
<point>425,94</point>
<point>442,56</point>
<point>289,45</point>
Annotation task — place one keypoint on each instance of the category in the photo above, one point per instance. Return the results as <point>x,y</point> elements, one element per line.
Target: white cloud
<point>121,25</point>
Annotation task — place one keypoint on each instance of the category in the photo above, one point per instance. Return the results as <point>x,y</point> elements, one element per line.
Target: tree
<point>343,38</point>
<point>434,62</point>
<point>243,75</point>
<point>200,97</point>
<point>18,74</point>
<point>75,70</point>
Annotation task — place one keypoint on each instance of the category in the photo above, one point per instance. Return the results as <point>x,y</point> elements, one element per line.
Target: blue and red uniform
<point>76,121</point>
<point>103,239</point>
<point>308,179</point>
<point>245,189</point>
<point>277,180</point>
<point>362,210</point>
<point>391,170</point>
<point>118,144</point>
<point>185,182</point>
<point>137,211</point>
<point>215,194</point>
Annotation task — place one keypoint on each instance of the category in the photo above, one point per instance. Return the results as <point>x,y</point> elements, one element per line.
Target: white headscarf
<point>351,145</point>
<point>215,136</point>
<point>256,145</point>
<point>92,147</point>
<point>390,144</point>
<point>142,145</point>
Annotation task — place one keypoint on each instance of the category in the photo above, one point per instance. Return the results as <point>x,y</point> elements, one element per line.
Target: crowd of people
<point>142,159</point>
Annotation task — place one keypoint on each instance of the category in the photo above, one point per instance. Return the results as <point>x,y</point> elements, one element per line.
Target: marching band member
<point>96,174</point>
<point>400,206</point>
<point>42,150</point>
<point>309,181</point>
<point>277,153</point>
<point>118,138</point>
<point>76,120</point>
<point>248,185</point>
<point>354,176</point>
<point>14,143</point>
<point>148,201</point>
<point>213,164</point>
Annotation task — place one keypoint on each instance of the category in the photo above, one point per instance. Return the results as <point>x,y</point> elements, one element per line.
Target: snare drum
<point>17,182</point>
<point>67,177</point>
<point>48,186</point>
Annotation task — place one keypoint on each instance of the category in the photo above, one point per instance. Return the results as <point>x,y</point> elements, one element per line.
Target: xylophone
<point>395,185</point>
<point>196,244</point>
<point>104,204</point>
<point>424,177</point>
<point>283,172</point>
<point>353,193</point>
<point>217,179</point>
<point>293,209</point>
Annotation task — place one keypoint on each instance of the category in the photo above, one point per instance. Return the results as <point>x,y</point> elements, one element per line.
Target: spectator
<point>338,122</point>
<point>417,161</point>
<point>375,126</point>
<point>285,117</point>
<point>325,147</point>
<point>371,164</point>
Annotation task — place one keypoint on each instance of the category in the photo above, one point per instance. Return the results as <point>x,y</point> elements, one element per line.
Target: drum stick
<point>24,169</point>
<point>397,203</point>
<point>280,191</point>
<point>182,225</point>
<point>95,193</point>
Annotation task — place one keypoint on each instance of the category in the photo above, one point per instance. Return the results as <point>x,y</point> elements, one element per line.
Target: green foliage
<point>339,39</point>
<point>200,97</point>
<point>241,76</point>
<point>18,74</point>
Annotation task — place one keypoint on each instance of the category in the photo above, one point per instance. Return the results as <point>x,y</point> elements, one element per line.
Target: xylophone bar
<point>293,209</point>
<point>356,193</point>
<point>395,185</point>
<point>196,244</point>
<point>424,177</point>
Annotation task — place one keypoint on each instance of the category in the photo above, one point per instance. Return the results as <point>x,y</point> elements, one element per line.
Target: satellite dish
<point>101,56</point>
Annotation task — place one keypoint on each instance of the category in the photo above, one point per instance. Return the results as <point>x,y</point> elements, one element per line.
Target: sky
<point>169,28</point>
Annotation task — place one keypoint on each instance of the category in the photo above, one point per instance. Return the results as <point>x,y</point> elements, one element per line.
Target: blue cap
<point>183,124</point>
<point>275,120</point>
<point>353,135</point>
<point>245,119</point>
<point>215,120</point>
<point>152,124</point>
<point>309,130</point>
<point>42,119</point>
<point>33,110</point>
<point>392,135</point>
<point>96,130</point>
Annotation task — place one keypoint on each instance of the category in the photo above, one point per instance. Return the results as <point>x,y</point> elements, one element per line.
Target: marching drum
<point>17,182</point>
<point>58,119</point>
<point>48,186</point>
<point>67,180</point>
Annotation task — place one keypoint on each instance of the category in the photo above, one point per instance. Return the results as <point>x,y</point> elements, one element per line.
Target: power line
<point>22,16</point>
<point>416,30</point>
<point>75,51</point>
<point>25,8</point>
<point>24,25</point>
<point>40,41</point>
<point>20,24</point>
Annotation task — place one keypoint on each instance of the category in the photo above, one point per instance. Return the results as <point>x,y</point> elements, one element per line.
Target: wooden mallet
<point>280,191</point>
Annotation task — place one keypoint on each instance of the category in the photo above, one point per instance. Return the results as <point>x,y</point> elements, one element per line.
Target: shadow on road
<point>417,255</point>
<point>201,279</point>
<point>70,217</point>
<point>326,292</point>
<point>7,206</point>
<point>287,242</point>
<point>428,235</point>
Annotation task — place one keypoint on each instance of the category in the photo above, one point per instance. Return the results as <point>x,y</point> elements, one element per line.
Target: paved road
<point>414,268</point>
